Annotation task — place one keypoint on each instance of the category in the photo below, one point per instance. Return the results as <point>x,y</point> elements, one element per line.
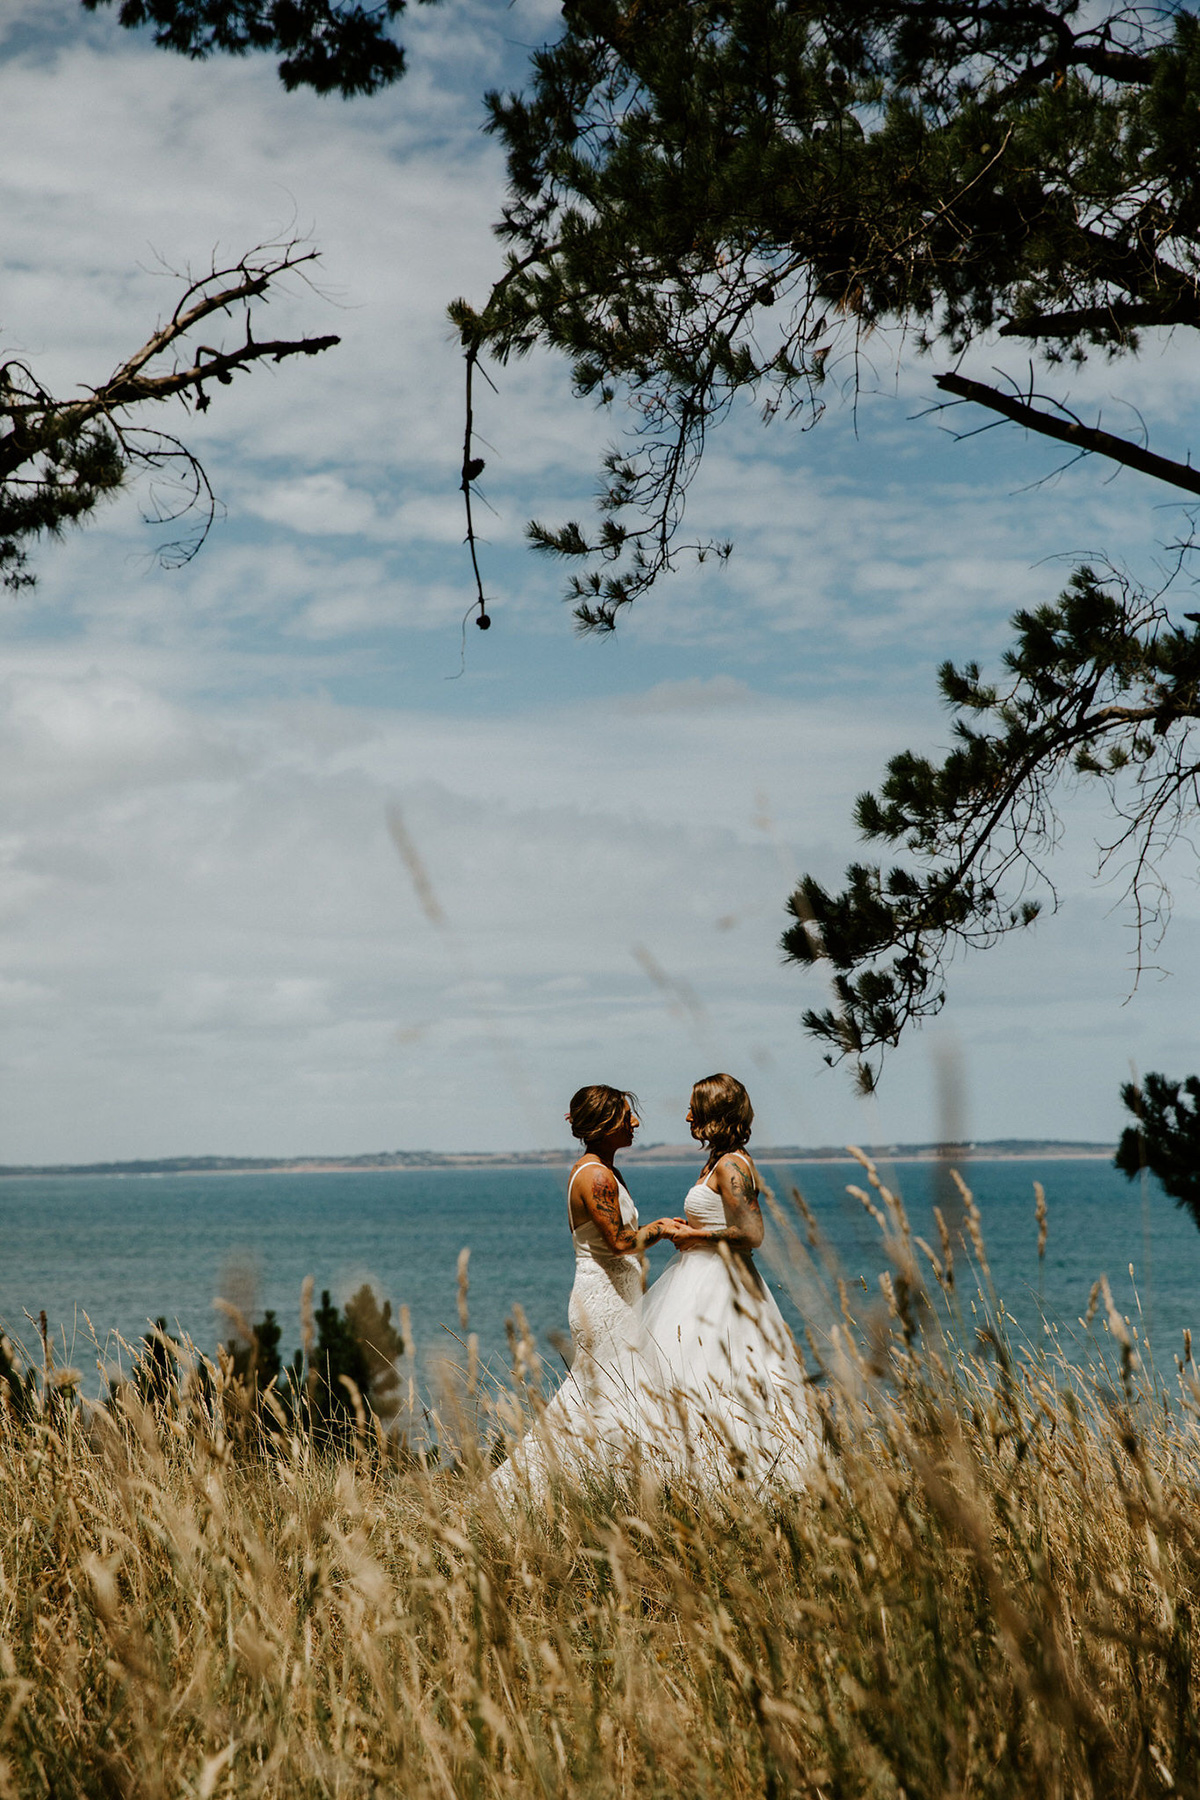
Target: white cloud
<point>696,694</point>
<point>217,937</point>
<point>209,942</point>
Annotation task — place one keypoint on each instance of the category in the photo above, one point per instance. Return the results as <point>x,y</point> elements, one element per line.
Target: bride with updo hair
<point>607,1237</point>
<point>602,1404</point>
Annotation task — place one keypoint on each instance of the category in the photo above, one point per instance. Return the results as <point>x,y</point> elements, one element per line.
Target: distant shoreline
<point>399,1161</point>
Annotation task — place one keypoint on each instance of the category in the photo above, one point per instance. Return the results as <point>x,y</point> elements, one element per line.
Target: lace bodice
<point>606,1290</point>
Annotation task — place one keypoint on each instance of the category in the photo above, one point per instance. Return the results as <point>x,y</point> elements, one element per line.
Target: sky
<point>210,939</point>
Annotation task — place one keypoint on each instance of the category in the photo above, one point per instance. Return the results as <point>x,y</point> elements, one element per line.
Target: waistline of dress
<point>714,1249</point>
<point>606,1259</point>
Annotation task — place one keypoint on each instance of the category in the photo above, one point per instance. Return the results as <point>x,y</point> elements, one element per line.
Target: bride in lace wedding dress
<point>602,1409</point>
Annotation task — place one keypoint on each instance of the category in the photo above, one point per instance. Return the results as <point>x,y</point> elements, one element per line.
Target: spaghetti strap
<point>621,1190</point>
<point>750,1170</point>
<point>704,1179</point>
<point>571,1184</point>
<point>578,1172</point>
<point>742,1157</point>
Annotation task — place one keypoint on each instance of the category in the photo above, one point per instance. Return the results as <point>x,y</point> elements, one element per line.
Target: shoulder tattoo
<point>742,1189</point>
<point>606,1201</point>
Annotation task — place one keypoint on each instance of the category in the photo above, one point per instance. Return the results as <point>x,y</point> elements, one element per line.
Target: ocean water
<point>108,1255</point>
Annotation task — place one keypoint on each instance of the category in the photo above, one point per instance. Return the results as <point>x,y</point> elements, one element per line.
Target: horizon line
<point>938,1149</point>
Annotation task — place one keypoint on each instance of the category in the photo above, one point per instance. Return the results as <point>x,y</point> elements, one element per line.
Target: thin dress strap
<point>571,1184</point>
<point>704,1181</point>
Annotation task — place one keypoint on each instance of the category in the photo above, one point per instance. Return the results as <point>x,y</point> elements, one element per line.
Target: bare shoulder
<point>737,1175</point>
<point>581,1186</point>
<point>593,1177</point>
<point>597,1188</point>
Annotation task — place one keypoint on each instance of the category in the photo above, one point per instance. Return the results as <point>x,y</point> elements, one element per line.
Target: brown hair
<point>595,1111</point>
<point>721,1113</point>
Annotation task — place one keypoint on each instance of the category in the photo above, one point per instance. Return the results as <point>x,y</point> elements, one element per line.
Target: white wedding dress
<point>737,1402</point>
<point>601,1409</point>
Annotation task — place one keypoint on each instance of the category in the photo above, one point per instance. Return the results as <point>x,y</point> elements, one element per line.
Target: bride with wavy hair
<point>738,1397</point>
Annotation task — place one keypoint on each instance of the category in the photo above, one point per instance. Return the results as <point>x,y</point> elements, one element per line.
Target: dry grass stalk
<point>988,1589</point>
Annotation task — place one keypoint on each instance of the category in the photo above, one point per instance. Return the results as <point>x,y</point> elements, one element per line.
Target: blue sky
<point>210,942</point>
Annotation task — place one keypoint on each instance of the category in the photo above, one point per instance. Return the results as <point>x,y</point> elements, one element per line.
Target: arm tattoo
<point>744,1196</point>
<point>606,1207</point>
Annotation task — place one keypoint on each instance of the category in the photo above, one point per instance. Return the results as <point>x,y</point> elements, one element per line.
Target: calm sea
<point>120,1251</point>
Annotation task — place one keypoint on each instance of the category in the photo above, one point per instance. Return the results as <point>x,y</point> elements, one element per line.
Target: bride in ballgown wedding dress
<point>601,1408</point>
<point>737,1402</point>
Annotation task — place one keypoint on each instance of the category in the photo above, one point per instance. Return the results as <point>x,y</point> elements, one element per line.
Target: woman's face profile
<point>618,1134</point>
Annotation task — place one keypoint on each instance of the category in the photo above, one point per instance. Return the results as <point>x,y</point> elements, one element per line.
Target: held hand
<point>682,1233</point>
<point>657,1231</point>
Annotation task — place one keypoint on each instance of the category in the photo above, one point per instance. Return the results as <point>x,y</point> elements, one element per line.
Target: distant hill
<point>1006,1149</point>
<point>981,1150</point>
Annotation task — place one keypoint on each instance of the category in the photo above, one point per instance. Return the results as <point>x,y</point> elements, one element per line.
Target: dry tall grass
<point>990,1589</point>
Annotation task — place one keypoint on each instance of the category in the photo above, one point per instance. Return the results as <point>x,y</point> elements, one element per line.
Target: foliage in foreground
<point>721,199</point>
<point>346,1369</point>
<point>331,46</point>
<point>717,200</point>
<point>1166,1138</point>
<point>988,1589</point>
<point>1100,687</point>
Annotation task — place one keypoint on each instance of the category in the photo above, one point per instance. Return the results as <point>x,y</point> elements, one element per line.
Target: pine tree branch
<point>1089,439</point>
<point>23,444</point>
<point>218,366</point>
<point>1137,268</point>
<point>1118,65</point>
<point>1071,51</point>
<point>60,457</point>
<point>1121,317</point>
<point>331,46</point>
<point>251,285</point>
<point>1104,686</point>
<point>37,419</point>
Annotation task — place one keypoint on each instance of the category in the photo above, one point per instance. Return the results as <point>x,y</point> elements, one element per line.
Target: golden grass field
<point>991,1587</point>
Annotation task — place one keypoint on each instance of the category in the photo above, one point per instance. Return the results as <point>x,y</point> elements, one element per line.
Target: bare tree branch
<point>1087,438</point>
<point>59,457</point>
<point>1121,316</point>
<point>37,418</point>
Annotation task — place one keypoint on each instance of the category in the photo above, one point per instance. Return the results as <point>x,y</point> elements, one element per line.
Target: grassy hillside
<point>990,1588</point>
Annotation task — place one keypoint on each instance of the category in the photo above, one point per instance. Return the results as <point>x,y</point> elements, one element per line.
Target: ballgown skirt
<point>736,1404</point>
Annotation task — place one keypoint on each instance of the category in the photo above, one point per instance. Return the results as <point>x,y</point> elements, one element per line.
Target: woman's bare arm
<point>602,1201</point>
<point>743,1229</point>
